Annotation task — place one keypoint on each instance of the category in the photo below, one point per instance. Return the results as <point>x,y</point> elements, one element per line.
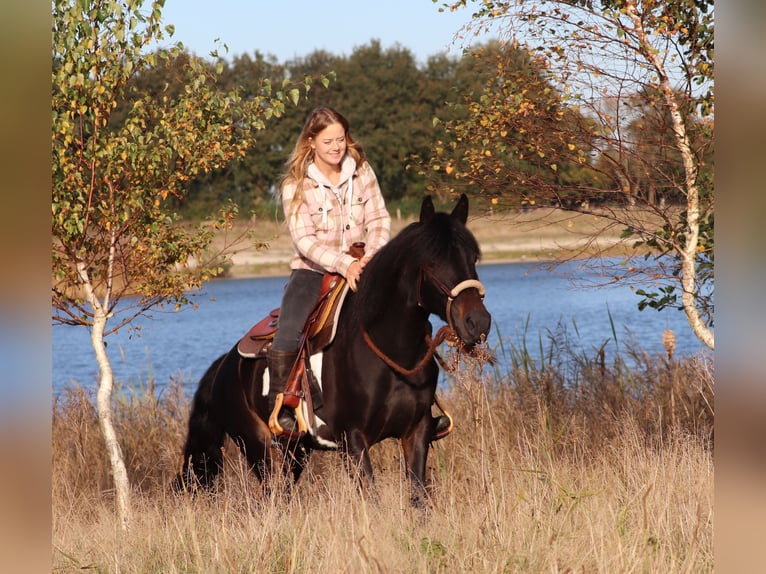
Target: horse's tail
<point>202,457</point>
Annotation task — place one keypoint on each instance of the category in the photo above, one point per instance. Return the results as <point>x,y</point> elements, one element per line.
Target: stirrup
<point>278,429</point>
<point>442,427</point>
<point>444,423</point>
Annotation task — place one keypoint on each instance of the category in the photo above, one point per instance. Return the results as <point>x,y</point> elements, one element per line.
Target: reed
<point>572,464</point>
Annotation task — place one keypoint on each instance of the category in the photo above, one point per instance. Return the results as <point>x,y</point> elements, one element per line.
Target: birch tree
<point>604,69</point>
<point>112,179</point>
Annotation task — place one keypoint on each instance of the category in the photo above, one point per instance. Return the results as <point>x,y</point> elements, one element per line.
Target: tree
<point>392,123</point>
<point>114,175</point>
<point>503,140</point>
<point>607,71</point>
<point>249,180</point>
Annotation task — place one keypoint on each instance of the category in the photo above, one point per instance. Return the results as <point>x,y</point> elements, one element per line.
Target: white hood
<point>347,169</point>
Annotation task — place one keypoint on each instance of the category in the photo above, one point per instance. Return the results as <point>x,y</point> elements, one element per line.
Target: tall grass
<point>571,464</point>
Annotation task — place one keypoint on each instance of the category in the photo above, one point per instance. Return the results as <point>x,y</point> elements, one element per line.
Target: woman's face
<point>329,146</point>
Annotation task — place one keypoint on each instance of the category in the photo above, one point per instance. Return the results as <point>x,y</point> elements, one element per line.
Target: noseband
<point>427,273</point>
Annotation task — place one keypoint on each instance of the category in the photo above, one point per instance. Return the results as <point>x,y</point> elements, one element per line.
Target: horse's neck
<point>393,315</point>
<point>401,328</point>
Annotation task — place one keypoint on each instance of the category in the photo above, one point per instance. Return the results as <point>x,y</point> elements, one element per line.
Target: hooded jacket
<point>333,217</point>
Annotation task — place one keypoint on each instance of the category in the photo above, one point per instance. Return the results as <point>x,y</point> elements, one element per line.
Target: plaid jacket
<point>332,218</point>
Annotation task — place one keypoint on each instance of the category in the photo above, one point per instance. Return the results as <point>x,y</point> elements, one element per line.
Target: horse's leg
<point>299,457</point>
<point>415,447</point>
<point>254,441</point>
<point>356,456</point>
<point>266,457</point>
<point>202,457</point>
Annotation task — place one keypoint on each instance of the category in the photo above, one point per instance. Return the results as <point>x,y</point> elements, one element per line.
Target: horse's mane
<point>399,261</point>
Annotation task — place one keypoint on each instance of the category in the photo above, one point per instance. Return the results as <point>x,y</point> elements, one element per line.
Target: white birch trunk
<point>689,248</point>
<point>104,406</point>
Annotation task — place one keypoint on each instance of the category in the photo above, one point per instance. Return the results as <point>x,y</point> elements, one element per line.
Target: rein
<point>444,333</point>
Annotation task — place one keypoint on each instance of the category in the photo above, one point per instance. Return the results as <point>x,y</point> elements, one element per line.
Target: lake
<point>527,303</point>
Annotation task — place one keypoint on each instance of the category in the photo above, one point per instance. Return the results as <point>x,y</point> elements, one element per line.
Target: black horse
<point>378,376</point>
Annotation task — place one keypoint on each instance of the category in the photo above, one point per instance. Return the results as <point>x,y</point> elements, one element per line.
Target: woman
<point>331,199</point>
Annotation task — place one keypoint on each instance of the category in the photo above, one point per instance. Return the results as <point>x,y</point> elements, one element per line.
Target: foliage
<point>510,144</point>
<point>388,97</point>
<point>596,104</point>
<point>117,164</point>
<point>122,155</point>
<point>666,295</point>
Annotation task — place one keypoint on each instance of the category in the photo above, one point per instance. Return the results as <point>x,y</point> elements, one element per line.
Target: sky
<point>295,28</point>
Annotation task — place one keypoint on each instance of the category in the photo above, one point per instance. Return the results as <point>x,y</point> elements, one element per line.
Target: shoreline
<point>540,235</point>
<point>282,268</point>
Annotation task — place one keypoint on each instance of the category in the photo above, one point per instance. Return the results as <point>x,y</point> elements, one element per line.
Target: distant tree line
<point>392,101</point>
<point>389,99</point>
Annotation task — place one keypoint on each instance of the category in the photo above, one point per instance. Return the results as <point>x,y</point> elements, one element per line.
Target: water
<point>526,301</point>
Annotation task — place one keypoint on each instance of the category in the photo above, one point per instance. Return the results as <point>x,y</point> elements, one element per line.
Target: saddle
<point>320,327</point>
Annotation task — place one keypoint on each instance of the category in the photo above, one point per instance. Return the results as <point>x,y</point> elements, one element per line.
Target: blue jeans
<point>300,297</point>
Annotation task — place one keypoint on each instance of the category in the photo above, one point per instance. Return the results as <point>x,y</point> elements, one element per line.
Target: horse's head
<point>449,285</point>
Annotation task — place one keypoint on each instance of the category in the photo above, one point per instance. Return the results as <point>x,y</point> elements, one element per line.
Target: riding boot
<point>280,365</point>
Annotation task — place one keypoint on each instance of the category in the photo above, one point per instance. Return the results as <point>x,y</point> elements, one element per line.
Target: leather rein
<point>447,332</point>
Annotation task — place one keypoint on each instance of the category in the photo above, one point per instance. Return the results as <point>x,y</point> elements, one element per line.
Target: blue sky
<point>294,28</point>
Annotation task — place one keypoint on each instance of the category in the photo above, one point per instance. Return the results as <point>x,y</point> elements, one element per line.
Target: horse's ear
<point>461,209</point>
<point>426,209</point>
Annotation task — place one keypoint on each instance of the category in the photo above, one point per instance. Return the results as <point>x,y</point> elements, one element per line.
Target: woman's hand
<point>353,274</point>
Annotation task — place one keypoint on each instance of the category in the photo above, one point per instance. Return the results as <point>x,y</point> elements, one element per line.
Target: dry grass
<point>575,467</point>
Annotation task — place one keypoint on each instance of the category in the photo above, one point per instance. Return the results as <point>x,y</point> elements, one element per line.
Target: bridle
<point>446,332</point>
<point>427,273</point>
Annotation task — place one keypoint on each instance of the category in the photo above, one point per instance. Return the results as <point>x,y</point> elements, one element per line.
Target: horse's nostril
<point>475,326</point>
<point>480,322</point>
<point>484,324</point>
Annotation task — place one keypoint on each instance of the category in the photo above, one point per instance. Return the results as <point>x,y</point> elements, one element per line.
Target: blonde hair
<point>302,155</point>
